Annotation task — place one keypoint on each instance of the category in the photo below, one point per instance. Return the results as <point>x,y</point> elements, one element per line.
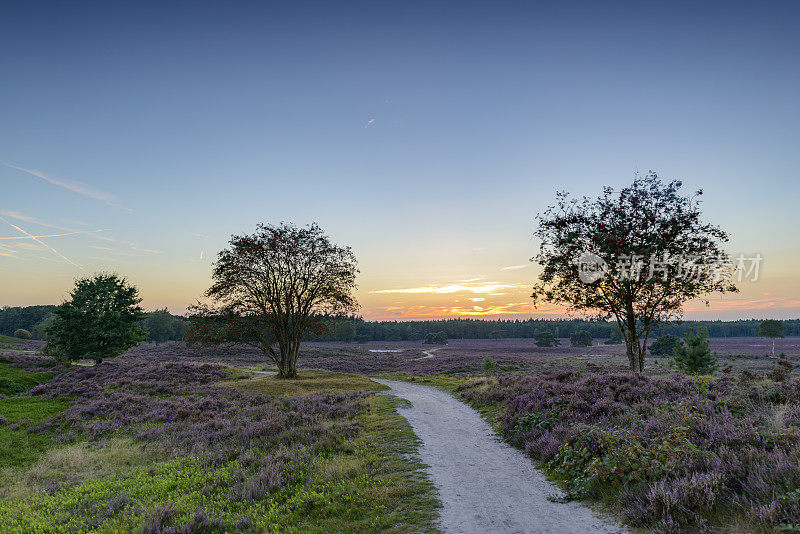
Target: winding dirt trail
<point>485,485</point>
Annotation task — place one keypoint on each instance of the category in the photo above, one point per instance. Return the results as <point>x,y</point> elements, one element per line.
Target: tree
<point>695,358</point>
<point>546,339</point>
<point>435,338</point>
<point>102,319</point>
<point>665,345</point>
<point>636,254</point>
<point>497,334</point>
<point>581,338</point>
<point>274,288</point>
<point>772,329</point>
<point>160,326</point>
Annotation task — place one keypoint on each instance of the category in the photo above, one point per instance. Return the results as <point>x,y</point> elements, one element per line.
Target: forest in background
<point>163,326</point>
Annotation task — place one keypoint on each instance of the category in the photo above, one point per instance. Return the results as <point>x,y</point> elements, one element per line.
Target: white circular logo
<point>591,267</point>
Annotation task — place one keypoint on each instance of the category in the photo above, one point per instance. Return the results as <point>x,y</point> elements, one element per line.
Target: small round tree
<point>581,338</point>
<point>773,329</point>
<point>102,319</point>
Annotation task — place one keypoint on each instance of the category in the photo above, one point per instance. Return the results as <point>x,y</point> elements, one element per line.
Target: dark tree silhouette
<point>636,254</point>
<point>272,289</point>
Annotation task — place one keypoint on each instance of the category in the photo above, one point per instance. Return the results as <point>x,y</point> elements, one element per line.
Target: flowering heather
<point>236,446</point>
<point>671,453</point>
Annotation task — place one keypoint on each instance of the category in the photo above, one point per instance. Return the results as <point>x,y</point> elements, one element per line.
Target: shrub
<point>664,346</point>
<point>546,339</point>
<point>436,338</point>
<point>489,364</point>
<point>781,371</point>
<point>581,338</point>
<point>695,358</point>
<point>21,333</point>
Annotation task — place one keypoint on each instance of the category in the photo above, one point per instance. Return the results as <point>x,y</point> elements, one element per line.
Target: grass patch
<point>14,381</point>
<point>18,446</point>
<point>10,340</point>
<point>309,381</point>
<point>372,484</point>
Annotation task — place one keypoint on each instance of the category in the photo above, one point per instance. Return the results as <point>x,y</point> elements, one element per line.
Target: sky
<point>138,137</point>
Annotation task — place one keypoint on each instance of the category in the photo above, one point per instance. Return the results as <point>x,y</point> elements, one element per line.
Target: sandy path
<point>427,353</point>
<point>485,485</point>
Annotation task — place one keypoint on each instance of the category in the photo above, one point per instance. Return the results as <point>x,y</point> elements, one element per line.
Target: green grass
<point>19,447</point>
<point>14,381</point>
<point>372,483</point>
<point>309,381</point>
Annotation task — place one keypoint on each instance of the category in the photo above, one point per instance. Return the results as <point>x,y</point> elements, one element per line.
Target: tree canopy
<point>273,288</point>
<point>102,319</point>
<point>634,254</point>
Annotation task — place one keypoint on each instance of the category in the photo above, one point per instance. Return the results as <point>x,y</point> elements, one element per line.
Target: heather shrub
<point>669,453</point>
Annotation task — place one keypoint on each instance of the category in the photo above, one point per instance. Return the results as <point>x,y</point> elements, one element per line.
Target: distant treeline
<point>357,329</point>
<point>162,326</point>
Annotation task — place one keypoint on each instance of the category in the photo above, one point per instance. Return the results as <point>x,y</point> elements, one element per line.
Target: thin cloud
<point>487,288</point>
<point>515,267</point>
<point>80,189</point>
<point>54,251</point>
<point>80,232</point>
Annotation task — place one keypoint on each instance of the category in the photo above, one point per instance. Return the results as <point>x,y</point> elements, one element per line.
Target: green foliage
<point>436,338</point>
<point>102,319</point>
<point>489,365</point>
<point>26,317</point>
<point>665,345</point>
<point>18,446</point>
<point>40,329</point>
<point>771,328</point>
<point>581,338</point>
<point>533,420</point>
<point>546,339</point>
<point>14,381</point>
<point>616,457</point>
<point>694,357</point>
<point>21,333</point>
<point>497,334</point>
<point>163,326</point>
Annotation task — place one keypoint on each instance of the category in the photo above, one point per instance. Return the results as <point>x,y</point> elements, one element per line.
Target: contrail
<point>31,236</point>
<point>108,198</point>
<point>51,235</point>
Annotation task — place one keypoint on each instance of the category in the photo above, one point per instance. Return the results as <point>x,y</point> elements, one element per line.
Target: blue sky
<point>427,136</point>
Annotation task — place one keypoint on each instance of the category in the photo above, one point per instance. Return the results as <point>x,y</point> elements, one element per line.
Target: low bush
<point>21,333</point>
<point>671,453</point>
